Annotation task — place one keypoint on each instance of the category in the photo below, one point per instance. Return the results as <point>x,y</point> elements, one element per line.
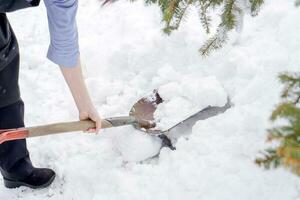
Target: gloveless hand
<point>92,114</point>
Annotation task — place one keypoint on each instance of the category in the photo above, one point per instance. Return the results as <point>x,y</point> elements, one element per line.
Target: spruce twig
<point>214,42</point>
<point>255,5</point>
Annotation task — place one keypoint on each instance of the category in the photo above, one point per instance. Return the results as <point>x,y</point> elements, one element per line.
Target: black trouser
<point>13,153</point>
<point>14,158</point>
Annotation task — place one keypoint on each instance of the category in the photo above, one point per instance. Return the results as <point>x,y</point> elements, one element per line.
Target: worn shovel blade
<point>144,109</point>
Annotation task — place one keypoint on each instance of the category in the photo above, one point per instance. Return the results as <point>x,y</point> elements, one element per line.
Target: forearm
<point>75,81</point>
<point>74,78</point>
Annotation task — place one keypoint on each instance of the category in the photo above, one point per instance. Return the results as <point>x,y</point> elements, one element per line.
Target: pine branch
<point>286,110</point>
<point>214,43</point>
<point>288,150</point>
<point>292,86</point>
<point>204,18</point>
<point>229,18</point>
<point>182,12</point>
<point>270,159</point>
<point>278,133</point>
<point>179,13</point>
<point>255,5</point>
<point>170,11</point>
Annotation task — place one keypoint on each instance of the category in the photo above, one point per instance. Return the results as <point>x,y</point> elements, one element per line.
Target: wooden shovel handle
<point>78,126</point>
<point>63,127</point>
<point>50,129</point>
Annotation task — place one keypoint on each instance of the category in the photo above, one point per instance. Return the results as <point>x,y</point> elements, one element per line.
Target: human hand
<point>92,114</point>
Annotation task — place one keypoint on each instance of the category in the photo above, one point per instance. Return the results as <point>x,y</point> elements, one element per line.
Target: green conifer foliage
<point>174,12</point>
<point>287,153</point>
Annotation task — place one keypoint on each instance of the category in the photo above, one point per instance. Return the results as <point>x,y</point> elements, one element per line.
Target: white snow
<point>185,97</point>
<point>126,56</point>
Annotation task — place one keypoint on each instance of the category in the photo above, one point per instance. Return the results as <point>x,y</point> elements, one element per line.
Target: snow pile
<point>135,146</point>
<point>126,57</point>
<point>186,97</point>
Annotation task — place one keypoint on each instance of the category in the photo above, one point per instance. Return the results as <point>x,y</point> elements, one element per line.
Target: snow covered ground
<point>126,56</point>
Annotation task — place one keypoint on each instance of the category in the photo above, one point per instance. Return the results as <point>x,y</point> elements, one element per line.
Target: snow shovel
<point>141,116</point>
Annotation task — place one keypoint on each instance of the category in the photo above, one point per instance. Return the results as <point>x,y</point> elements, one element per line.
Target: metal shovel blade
<point>143,111</point>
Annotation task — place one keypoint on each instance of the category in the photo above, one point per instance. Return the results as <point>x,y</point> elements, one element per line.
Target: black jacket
<point>9,52</point>
<point>8,42</point>
<point>12,5</point>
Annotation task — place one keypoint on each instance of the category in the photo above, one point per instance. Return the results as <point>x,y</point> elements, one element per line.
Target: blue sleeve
<point>63,49</point>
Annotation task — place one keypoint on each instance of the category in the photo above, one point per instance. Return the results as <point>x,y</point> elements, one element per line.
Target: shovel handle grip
<point>13,134</point>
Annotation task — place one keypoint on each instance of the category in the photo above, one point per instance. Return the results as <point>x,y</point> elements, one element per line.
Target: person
<point>15,164</point>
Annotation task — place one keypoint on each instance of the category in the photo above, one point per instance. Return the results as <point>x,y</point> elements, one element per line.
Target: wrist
<point>84,105</point>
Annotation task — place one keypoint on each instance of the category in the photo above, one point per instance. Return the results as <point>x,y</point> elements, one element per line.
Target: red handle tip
<point>13,134</point>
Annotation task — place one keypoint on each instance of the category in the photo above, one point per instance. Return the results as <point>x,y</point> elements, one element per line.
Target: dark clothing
<point>13,5</point>
<point>15,164</point>
<point>9,64</point>
<point>14,157</point>
<point>11,152</point>
<point>8,42</point>
<point>9,58</point>
<point>9,87</point>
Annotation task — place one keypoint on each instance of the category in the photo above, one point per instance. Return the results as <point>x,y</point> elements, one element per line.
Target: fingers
<point>90,130</point>
<point>97,128</point>
<point>98,125</point>
<point>93,115</point>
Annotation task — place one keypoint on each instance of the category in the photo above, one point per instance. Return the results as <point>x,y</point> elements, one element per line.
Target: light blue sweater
<point>63,49</point>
